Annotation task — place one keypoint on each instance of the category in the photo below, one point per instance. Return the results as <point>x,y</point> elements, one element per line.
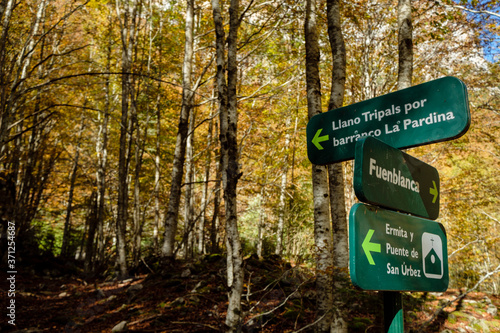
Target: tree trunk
<point>405,44</point>
<point>231,173</point>
<point>204,199</point>
<point>229,155</point>
<point>127,26</point>
<point>13,80</point>
<point>102,153</point>
<point>92,222</point>
<point>262,220</point>
<point>188,194</point>
<point>335,171</point>
<point>157,157</point>
<point>67,222</point>
<point>322,226</point>
<point>156,226</point>
<point>393,301</point>
<point>260,230</point>
<point>5,110</point>
<point>283,185</point>
<point>214,239</point>
<point>172,214</point>
<point>122,213</point>
<point>138,215</point>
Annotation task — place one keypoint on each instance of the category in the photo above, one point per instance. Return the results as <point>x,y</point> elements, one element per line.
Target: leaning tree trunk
<point>336,175</point>
<point>322,226</point>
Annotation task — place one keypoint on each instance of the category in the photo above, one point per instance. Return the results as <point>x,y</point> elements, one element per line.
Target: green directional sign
<point>388,177</point>
<point>396,252</point>
<point>430,112</point>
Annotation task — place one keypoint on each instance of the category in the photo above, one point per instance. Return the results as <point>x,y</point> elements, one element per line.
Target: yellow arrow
<point>434,191</point>
<point>369,247</point>
<point>318,139</point>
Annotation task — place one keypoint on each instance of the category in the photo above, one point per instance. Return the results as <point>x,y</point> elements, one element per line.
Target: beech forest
<point>164,142</point>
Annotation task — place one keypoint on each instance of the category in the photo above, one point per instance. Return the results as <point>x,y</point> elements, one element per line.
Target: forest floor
<point>52,296</point>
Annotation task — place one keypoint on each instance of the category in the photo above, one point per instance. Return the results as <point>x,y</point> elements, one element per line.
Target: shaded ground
<point>191,297</point>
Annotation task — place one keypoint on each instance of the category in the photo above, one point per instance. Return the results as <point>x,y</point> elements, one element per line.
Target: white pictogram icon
<point>432,255</point>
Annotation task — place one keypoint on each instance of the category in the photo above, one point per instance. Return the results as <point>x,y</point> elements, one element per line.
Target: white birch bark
<point>336,175</point>
<point>322,226</point>
<point>405,44</point>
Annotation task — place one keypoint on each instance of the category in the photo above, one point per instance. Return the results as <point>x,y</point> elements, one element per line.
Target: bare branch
<point>477,11</point>
<point>54,80</point>
<point>276,308</point>
<point>313,323</point>
<point>491,217</point>
<point>463,247</point>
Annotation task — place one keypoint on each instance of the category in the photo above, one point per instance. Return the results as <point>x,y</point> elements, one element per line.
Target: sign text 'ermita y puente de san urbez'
<point>430,112</point>
<point>394,251</point>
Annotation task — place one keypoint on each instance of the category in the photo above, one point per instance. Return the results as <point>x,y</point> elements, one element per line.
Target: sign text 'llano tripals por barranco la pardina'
<point>430,112</point>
